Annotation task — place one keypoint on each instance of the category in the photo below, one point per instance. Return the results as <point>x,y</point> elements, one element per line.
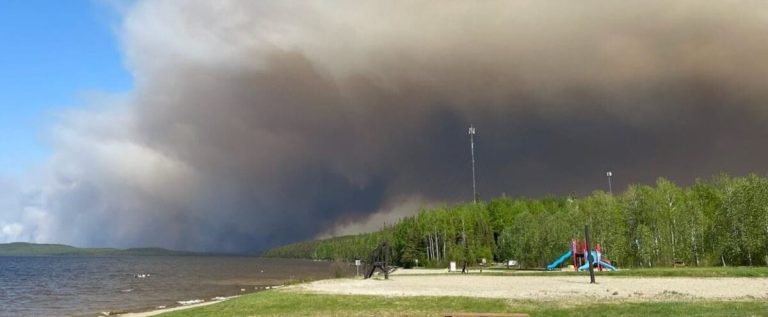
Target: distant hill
<point>34,249</point>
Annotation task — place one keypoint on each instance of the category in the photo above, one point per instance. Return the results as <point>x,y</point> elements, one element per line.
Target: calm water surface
<point>85,286</point>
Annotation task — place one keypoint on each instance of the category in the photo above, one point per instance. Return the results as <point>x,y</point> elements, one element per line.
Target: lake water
<point>86,286</point>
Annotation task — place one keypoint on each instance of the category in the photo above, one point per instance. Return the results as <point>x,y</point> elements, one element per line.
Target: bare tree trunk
<point>429,248</point>
<point>695,247</point>
<point>444,236</point>
<point>434,251</point>
<point>674,227</point>
<point>670,203</point>
<point>437,246</point>
<point>434,245</point>
<point>656,244</point>
<point>442,254</point>
<point>602,246</point>
<point>701,239</point>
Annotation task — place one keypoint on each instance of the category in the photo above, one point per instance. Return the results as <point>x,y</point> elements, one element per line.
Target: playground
<point>579,257</point>
<point>561,288</point>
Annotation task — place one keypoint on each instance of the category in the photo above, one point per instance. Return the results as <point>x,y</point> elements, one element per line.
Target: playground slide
<point>603,264</point>
<point>608,266</point>
<point>560,260</point>
<point>599,261</point>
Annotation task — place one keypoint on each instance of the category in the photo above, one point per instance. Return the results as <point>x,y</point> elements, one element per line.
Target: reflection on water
<point>85,286</point>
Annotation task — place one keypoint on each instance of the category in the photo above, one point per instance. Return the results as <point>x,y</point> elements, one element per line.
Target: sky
<point>53,53</point>
<point>236,126</point>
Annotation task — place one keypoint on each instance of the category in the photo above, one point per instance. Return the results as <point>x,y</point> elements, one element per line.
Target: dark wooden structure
<point>378,260</point>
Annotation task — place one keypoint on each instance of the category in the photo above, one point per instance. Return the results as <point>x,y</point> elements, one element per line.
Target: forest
<point>721,221</point>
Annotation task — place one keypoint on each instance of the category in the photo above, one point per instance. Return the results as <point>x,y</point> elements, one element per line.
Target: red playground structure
<point>578,254</point>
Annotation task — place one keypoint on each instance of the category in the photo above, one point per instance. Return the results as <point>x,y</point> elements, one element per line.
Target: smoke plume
<point>256,123</point>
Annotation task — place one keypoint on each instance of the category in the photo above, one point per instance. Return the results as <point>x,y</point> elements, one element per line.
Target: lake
<point>86,286</point>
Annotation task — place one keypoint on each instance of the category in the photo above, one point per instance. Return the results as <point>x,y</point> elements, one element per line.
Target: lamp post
<point>610,186</point>
<point>472,148</point>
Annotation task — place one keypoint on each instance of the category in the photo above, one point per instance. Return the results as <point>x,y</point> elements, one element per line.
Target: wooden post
<point>386,260</point>
<point>590,259</point>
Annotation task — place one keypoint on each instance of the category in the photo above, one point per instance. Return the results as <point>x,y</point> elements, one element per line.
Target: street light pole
<point>610,186</point>
<point>472,149</point>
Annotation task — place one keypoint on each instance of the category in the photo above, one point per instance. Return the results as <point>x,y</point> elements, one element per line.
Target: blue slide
<point>598,260</point>
<point>560,260</point>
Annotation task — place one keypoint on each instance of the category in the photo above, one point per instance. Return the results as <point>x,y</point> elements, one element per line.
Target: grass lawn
<point>287,303</point>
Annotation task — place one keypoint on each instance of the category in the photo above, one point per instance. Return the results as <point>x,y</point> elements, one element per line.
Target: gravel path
<point>521,287</point>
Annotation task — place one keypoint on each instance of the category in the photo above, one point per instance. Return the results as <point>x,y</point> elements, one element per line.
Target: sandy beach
<point>560,288</point>
<point>522,286</point>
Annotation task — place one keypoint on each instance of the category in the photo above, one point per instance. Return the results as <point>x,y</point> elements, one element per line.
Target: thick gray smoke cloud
<point>256,123</point>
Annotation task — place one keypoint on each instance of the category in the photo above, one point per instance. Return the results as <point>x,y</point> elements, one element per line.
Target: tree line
<point>722,221</point>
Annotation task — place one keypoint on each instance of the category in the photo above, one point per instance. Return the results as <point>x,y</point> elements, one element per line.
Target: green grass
<point>286,303</point>
<point>654,272</point>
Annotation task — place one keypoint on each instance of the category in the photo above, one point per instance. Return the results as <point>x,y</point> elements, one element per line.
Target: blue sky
<point>51,52</point>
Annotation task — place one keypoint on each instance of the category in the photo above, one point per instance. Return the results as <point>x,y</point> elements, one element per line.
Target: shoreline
<point>215,300</point>
<point>167,310</point>
<point>158,311</point>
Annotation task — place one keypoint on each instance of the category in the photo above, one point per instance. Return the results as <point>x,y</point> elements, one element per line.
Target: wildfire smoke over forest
<point>256,123</point>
